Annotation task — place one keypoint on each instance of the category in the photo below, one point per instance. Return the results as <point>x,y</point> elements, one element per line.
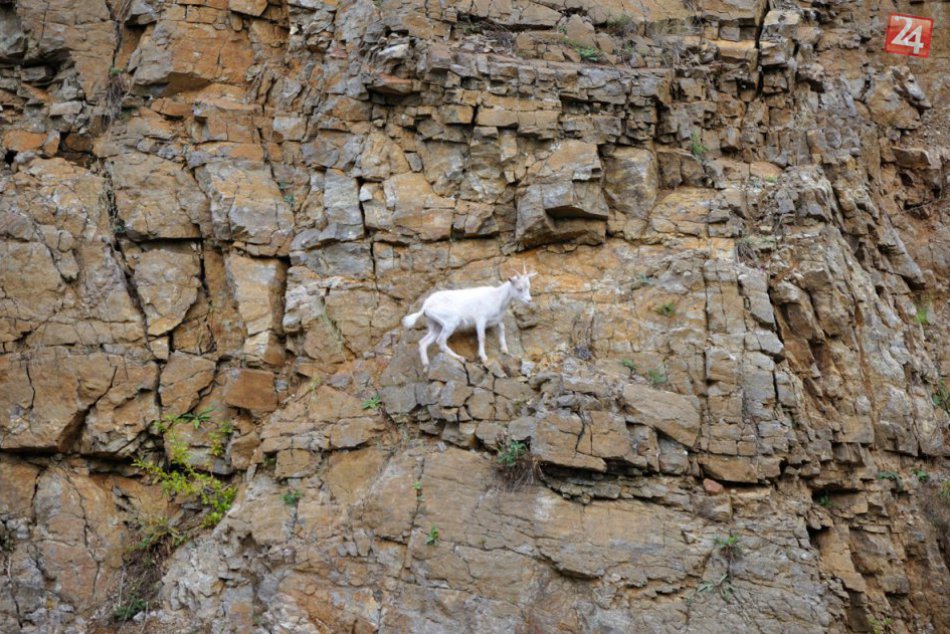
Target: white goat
<point>466,308</point>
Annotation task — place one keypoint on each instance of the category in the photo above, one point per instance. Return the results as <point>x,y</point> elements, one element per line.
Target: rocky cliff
<point>725,411</point>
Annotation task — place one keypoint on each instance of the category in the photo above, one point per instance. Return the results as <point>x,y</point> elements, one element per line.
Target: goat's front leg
<point>501,337</point>
<point>480,330</point>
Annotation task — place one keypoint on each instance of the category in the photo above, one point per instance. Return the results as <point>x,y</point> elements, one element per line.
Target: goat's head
<point>521,285</point>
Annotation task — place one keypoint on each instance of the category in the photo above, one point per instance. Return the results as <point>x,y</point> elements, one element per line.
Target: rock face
<point>726,408</point>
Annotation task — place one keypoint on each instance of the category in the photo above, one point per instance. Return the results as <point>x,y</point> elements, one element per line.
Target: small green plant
<point>890,475</point>
<point>944,492</point>
<point>511,455</point>
<point>666,310</point>
<point>723,584</point>
<point>6,540</point>
<point>372,402</point>
<point>432,537</point>
<point>417,486</point>
<point>115,71</point>
<point>656,377</point>
<point>220,437</point>
<point>289,199</point>
<point>195,419</point>
<point>127,610</point>
<point>587,53</point>
<point>824,500</point>
<point>941,398</point>
<point>920,316</point>
<point>771,178</point>
<point>157,533</point>
<point>696,146</point>
<point>292,497</point>
<point>181,479</point>
<point>880,626</point>
<point>921,475</point>
<point>729,547</point>
<point>630,365</point>
<point>620,25</point>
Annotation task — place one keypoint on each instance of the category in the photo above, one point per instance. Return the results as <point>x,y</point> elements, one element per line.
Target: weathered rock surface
<point>727,403</point>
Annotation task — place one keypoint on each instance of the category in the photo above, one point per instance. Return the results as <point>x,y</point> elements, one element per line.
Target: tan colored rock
<point>79,537</point>
<point>630,185</point>
<point>251,389</point>
<point>563,199</point>
<point>258,288</point>
<point>22,140</point>
<point>62,386</point>
<point>415,208</point>
<point>123,412</point>
<point>19,479</point>
<point>675,415</point>
<point>166,278</point>
<point>730,468</point>
<point>184,55</point>
<point>156,198</point>
<point>248,7</point>
<point>561,439</point>
<point>183,379</point>
<point>247,206</point>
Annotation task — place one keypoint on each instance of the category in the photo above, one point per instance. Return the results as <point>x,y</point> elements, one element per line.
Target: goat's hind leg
<point>443,340</point>
<point>426,341</point>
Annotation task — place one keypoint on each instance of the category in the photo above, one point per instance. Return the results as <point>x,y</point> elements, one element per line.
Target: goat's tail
<point>410,320</point>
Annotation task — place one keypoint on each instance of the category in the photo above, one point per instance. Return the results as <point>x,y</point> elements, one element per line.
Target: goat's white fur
<point>466,308</point>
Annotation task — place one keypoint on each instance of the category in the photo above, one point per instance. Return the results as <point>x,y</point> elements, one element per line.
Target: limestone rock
<point>183,379</point>
<point>166,278</point>
<point>251,389</point>
<point>247,207</point>
<point>158,199</point>
<point>675,415</point>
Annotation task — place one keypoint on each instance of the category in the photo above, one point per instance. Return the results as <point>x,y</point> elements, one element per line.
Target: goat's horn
<point>524,268</point>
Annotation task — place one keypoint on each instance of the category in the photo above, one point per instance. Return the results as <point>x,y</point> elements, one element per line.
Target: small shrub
<point>127,610</point>
<point>696,146</point>
<point>515,463</point>
<point>587,53</point>
<point>771,178</point>
<point>220,437</point>
<point>920,316</point>
<point>890,475</point>
<point>729,547</point>
<point>289,199</point>
<point>666,310</point>
<point>432,537</point>
<point>417,486</point>
<point>6,540</point>
<point>513,452</point>
<point>824,500</point>
<point>880,626</point>
<point>292,497</point>
<point>181,479</point>
<point>115,71</point>
<point>656,377</point>
<point>921,475</point>
<point>372,402</point>
<point>941,398</point>
<point>620,25</point>
<point>723,584</point>
<point>630,365</point>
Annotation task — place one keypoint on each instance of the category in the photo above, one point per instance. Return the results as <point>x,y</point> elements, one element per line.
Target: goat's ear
<point>532,274</point>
